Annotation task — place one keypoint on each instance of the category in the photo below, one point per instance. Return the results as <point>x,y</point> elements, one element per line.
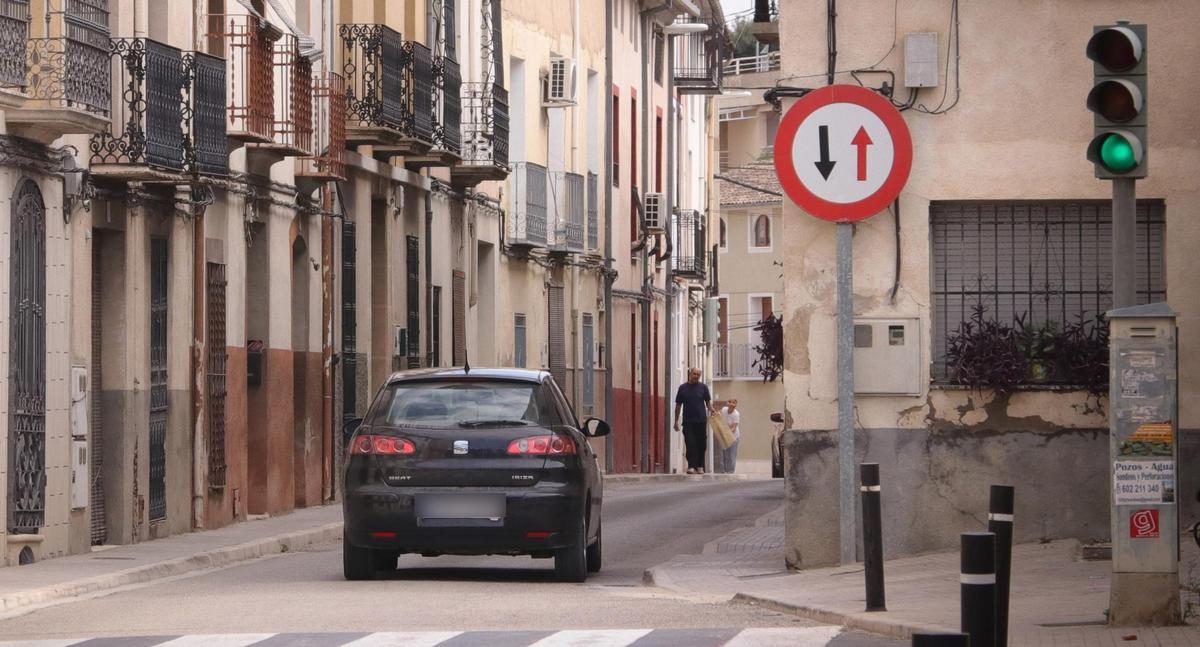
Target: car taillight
<point>369,444</point>
<point>552,444</point>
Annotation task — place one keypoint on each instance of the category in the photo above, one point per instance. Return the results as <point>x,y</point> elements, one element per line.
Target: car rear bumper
<point>385,517</point>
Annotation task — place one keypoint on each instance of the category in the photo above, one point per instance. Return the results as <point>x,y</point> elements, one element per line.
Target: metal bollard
<point>977,588</point>
<point>941,640</point>
<point>872,536</point>
<point>1000,523</point>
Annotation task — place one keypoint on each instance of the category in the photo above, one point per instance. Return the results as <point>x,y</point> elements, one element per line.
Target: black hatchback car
<point>471,462</point>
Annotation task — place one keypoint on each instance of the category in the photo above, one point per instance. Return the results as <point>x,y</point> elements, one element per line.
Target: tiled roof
<point>754,183</point>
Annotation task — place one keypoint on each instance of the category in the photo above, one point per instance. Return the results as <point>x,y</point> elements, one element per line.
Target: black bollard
<point>1000,523</point>
<point>977,587</point>
<point>941,640</point>
<point>872,536</point>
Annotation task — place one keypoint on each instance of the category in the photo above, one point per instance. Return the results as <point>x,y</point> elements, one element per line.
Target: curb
<point>673,478</point>
<point>868,622</point>
<point>215,558</point>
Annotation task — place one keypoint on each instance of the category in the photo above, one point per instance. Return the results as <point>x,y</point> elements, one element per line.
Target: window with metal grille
<point>435,358</point>
<point>557,339</point>
<point>519,340</point>
<point>1049,261</point>
<point>217,358</point>
<point>458,315</point>
<point>158,378</point>
<point>589,364</point>
<point>349,320</point>
<point>413,262</point>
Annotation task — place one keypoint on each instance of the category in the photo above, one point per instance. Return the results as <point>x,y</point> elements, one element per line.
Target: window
<point>616,139</point>
<point>760,236</point>
<point>761,307</point>
<point>435,358</point>
<point>724,240</point>
<point>519,341</point>
<point>660,47</point>
<point>633,152</point>
<point>658,152</point>
<point>463,404</point>
<point>723,320</point>
<point>1048,261</point>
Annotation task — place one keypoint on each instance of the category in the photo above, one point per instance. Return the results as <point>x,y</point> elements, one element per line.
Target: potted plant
<point>1039,345</point>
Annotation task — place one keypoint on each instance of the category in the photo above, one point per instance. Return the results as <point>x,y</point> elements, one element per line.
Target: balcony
<point>691,245</point>
<point>765,62</point>
<point>699,59</point>
<point>527,224</point>
<point>735,361</point>
<point>389,90</point>
<point>447,116</point>
<point>567,196</point>
<point>593,214</point>
<point>58,68</point>
<point>484,134</point>
<point>765,27</point>
<point>167,117</point>
<point>328,161</point>
<point>292,114</point>
<point>250,46</point>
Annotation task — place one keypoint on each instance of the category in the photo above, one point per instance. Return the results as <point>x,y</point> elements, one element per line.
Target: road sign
<point>843,153</point>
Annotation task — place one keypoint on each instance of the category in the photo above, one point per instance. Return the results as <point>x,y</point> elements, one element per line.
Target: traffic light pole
<point>845,397</point>
<point>1124,242</point>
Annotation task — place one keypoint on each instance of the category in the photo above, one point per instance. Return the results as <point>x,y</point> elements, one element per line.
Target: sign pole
<point>845,362</point>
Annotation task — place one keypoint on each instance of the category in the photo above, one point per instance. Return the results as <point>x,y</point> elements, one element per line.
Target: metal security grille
<point>27,362</point>
<point>349,320</point>
<point>1048,261</point>
<point>218,357</point>
<point>14,32</point>
<point>158,378</point>
<point>519,340</point>
<point>593,213</point>
<point>459,315</point>
<point>557,346</point>
<point>589,364</point>
<point>413,260</point>
<point>96,449</point>
<point>435,333</point>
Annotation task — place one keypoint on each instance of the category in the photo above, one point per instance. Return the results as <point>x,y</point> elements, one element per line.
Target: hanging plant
<point>770,348</point>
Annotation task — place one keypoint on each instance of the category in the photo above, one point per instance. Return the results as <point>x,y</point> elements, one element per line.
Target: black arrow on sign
<point>825,165</point>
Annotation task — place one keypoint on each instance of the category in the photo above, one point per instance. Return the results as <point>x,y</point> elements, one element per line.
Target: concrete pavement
<point>1057,599</point>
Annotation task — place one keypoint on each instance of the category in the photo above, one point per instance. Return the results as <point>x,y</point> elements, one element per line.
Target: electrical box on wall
<point>887,357</point>
<point>920,59</point>
<point>79,474</point>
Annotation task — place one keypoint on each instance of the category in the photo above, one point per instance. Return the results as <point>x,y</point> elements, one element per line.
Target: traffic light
<point>1119,147</point>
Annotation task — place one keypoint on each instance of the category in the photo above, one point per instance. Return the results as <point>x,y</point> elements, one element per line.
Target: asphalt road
<point>644,524</point>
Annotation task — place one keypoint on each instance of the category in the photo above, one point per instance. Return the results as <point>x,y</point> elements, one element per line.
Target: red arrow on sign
<point>862,140</point>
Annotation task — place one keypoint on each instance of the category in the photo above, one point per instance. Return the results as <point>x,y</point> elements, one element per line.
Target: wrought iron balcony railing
<point>485,125</point>
<point>65,64</point>
<point>249,44</point>
<point>389,88</point>
<point>699,59</point>
<point>328,161</point>
<point>691,245</point>
<point>567,196</point>
<point>168,113</point>
<point>527,227</point>
<point>292,126</point>
<point>447,84</point>
<point>14,34</point>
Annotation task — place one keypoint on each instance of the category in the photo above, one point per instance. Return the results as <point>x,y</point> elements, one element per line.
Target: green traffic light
<point>1116,154</point>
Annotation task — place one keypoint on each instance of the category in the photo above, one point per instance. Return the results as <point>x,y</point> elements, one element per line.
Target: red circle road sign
<point>843,153</point>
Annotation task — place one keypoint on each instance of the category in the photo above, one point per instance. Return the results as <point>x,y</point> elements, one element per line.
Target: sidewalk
<point>1056,598</point>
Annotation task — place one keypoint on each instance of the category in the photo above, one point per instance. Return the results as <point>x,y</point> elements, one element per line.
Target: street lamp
<point>681,28</point>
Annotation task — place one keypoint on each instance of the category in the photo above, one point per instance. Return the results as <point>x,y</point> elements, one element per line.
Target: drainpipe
<point>429,274</point>
<point>670,316</point>
<point>608,248</point>
<point>648,303</point>
<point>327,368</point>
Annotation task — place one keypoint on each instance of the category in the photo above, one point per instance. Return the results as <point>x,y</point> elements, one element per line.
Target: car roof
<point>501,373</point>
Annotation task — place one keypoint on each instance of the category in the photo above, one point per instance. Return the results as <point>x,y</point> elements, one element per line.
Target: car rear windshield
<point>461,404</point>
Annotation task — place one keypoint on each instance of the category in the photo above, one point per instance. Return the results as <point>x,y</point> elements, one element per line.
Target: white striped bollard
<point>1000,523</point>
<point>872,536</point>
<point>977,588</point>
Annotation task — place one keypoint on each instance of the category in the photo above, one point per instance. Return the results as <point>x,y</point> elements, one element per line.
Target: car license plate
<point>460,506</point>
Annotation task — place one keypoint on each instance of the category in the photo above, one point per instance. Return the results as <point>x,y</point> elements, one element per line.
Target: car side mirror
<point>349,426</point>
<point>595,427</point>
<point>776,417</point>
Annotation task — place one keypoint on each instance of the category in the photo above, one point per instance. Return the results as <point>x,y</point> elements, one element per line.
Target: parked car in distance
<point>777,446</point>
<point>471,462</point>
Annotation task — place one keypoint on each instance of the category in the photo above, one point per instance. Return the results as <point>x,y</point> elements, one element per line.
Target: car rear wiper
<point>493,423</point>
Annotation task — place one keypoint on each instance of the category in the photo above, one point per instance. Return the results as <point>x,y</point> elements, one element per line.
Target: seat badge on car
<point>460,447</point>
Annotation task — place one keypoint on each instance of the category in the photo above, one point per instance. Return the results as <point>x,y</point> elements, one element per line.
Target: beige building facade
<point>1001,210</point>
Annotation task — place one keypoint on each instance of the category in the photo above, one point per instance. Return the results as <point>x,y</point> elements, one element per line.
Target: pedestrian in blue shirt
<point>696,402</point>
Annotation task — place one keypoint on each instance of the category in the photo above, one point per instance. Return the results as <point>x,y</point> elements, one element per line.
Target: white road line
<point>591,638</point>
<point>785,637</point>
<point>216,640</point>
<point>404,639</point>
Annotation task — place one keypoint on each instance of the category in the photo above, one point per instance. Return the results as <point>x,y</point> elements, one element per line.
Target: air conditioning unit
<point>652,206</point>
<point>559,86</point>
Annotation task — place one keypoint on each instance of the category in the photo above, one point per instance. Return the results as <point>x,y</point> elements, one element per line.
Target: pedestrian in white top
<point>733,419</point>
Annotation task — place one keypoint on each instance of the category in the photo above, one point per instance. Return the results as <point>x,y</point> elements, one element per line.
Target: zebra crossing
<point>761,637</point>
